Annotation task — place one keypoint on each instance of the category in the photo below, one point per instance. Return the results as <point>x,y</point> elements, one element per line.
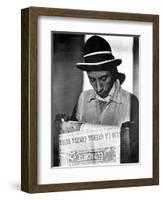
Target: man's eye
<point>104,78</point>
<point>92,80</point>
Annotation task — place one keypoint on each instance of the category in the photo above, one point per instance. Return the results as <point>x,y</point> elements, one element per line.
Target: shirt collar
<point>113,95</point>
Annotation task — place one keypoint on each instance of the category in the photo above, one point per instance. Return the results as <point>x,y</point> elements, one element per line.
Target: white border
<point>48,175</point>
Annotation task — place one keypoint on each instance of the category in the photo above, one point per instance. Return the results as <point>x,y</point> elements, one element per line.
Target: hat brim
<point>105,65</point>
<point>102,66</point>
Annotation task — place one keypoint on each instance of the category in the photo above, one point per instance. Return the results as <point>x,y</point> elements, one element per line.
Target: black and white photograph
<point>94,99</point>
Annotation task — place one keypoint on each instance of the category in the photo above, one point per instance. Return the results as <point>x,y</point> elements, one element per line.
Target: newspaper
<point>92,145</point>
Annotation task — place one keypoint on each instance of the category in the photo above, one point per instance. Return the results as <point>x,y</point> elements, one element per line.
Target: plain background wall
<point>10,98</point>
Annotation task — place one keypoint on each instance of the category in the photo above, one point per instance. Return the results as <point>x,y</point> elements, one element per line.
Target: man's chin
<point>102,95</point>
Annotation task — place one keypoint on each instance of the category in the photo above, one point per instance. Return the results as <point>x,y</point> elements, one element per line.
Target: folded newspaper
<point>92,145</point>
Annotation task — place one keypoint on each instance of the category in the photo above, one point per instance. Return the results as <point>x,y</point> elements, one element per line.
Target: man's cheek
<point>94,86</point>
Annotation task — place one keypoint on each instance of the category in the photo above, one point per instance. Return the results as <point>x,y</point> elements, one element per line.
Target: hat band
<point>98,58</point>
<point>97,52</point>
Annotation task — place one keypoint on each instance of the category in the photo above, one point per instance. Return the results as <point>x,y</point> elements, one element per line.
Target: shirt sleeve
<point>77,111</point>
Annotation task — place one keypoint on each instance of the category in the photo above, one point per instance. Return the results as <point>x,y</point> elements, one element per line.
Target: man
<point>107,103</point>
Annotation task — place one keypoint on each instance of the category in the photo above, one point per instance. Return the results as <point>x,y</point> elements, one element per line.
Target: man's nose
<point>99,87</point>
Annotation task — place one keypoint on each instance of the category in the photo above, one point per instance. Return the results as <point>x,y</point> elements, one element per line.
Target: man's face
<point>101,81</point>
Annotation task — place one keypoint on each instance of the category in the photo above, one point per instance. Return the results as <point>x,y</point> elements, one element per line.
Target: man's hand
<point>69,126</point>
<point>62,117</point>
<point>63,124</point>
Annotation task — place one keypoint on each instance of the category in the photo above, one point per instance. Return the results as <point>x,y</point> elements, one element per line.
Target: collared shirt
<point>121,107</point>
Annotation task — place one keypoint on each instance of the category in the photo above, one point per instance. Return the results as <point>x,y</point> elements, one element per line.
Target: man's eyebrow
<point>91,77</point>
<point>103,76</point>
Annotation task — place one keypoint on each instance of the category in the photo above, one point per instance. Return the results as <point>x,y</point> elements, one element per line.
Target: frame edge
<point>156,100</point>
<point>28,101</point>
<point>24,99</point>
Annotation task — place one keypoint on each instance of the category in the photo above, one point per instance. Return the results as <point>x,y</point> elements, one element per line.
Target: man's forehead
<point>98,73</point>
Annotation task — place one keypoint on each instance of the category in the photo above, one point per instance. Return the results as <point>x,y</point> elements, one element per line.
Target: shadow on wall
<point>66,80</point>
